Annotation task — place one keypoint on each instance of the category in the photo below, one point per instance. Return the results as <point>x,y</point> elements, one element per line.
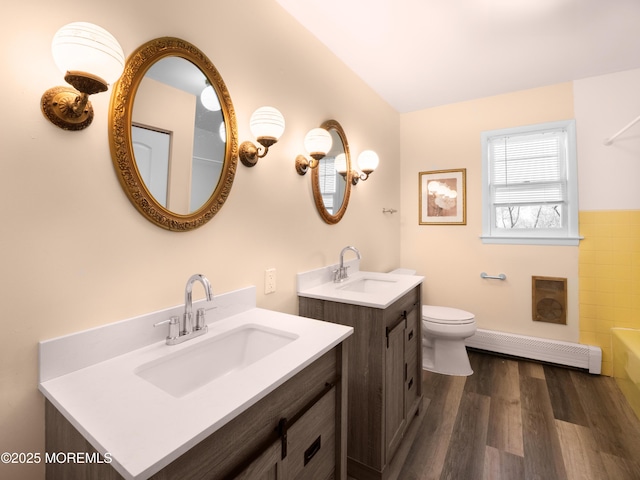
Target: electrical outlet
<point>269,280</point>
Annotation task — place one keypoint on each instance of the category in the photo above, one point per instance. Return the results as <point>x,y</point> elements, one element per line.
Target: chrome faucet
<point>341,274</point>
<point>187,320</point>
<point>182,331</point>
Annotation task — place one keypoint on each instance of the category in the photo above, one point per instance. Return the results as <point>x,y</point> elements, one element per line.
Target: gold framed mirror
<point>173,145</point>
<point>331,190</point>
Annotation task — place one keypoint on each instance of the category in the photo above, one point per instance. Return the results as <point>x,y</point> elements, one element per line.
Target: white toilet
<point>444,330</point>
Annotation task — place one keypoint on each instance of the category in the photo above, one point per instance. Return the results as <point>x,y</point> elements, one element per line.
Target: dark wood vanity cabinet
<point>385,368</point>
<point>309,447</point>
<point>298,431</point>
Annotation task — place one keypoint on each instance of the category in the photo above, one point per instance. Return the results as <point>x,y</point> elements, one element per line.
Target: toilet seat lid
<point>436,314</point>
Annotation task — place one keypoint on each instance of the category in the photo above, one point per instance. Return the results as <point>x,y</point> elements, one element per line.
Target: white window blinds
<point>528,169</point>
<point>327,175</point>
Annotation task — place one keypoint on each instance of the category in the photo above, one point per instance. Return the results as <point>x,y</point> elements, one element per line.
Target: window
<point>327,179</point>
<point>530,185</point>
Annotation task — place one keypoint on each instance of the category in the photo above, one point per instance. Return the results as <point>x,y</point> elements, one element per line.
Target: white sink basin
<point>368,285</point>
<point>369,289</point>
<point>187,370</point>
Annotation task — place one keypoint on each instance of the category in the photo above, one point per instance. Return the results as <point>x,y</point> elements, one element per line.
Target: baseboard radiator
<point>553,351</point>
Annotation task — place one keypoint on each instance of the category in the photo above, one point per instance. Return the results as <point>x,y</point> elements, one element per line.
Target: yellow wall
<point>609,276</point>
<point>609,259</point>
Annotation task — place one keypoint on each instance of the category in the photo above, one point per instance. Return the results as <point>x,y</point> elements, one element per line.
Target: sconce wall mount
<point>303,164</point>
<point>66,109</point>
<point>249,153</point>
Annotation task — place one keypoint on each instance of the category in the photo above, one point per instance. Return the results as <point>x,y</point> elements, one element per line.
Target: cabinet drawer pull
<point>388,330</point>
<point>310,452</point>
<point>282,432</point>
<point>285,424</point>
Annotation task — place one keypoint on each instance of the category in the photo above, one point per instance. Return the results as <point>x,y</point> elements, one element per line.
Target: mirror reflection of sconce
<point>209,99</point>
<point>317,142</point>
<point>367,162</point>
<point>91,59</point>
<point>267,126</point>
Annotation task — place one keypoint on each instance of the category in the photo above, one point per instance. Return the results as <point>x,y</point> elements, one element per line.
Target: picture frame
<point>443,197</point>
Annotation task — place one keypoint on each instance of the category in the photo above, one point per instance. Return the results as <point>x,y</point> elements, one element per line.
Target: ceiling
<point>422,53</point>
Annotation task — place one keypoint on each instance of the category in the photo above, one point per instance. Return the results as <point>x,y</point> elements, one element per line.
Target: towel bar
<point>502,276</point>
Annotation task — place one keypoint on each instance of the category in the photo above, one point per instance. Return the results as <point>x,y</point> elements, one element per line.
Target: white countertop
<point>143,428</point>
<point>386,288</point>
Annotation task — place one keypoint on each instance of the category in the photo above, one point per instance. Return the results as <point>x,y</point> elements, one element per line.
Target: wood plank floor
<point>516,419</point>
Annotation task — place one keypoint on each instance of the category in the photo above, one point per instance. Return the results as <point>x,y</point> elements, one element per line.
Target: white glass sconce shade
<point>209,99</point>
<point>267,122</point>
<point>368,161</point>
<point>267,125</point>
<point>88,48</point>
<point>318,142</point>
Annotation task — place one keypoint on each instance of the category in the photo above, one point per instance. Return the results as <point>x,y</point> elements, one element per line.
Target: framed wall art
<point>443,197</point>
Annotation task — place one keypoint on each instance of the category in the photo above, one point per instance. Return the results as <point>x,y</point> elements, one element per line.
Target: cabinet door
<point>413,344</point>
<point>311,442</point>
<point>394,389</point>
<point>266,466</point>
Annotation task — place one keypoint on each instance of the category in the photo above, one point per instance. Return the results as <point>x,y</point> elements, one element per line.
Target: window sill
<point>558,241</point>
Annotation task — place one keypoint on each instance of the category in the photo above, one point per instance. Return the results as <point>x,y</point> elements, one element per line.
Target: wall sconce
<point>317,143</point>
<point>267,125</point>
<point>91,59</point>
<point>367,162</point>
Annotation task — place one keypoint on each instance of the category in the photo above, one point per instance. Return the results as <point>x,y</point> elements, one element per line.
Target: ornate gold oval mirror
<point>173,134</point>
<point>331,191</point>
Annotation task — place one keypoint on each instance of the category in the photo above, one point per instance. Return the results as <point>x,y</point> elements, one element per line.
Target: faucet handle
<point>336,275</point>
<point>344,273</point>
<point>340,274</point>
<point>200,319</point>
<point>174,327</point>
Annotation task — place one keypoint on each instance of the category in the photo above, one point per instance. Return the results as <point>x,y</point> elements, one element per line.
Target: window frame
<point>568,235</point>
